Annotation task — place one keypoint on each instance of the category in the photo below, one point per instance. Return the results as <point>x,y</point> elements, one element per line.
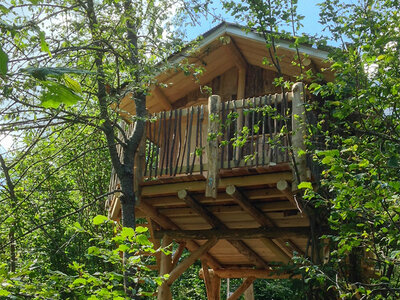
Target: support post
<point>164,291</point>
<point>212,282</point>
<point>207,281</point>
<point>212,149</point>
<point>156,241</point>
<point>299,132</point>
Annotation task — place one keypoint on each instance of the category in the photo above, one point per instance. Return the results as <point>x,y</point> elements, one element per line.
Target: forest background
<point>62,63</point>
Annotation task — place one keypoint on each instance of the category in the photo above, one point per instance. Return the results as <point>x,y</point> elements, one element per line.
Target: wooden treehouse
<point>215,173</point>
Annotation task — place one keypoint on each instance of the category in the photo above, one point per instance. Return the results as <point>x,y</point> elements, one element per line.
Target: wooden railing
<point>239,133</point>
<point>248,134</point>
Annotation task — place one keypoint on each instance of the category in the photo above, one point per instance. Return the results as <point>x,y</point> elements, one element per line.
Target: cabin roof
<point>216,55</point>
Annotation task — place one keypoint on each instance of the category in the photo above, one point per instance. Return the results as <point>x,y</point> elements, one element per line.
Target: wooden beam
<point>188,261</point>
<point>212,282</point>
<point>215,222</point>
<point>284,187</point>
<point>240,290</point>
<point>260,217</point>
<point>207,281</point>
<point>239,181</point>
<point>241,64</point>
<point>212,147</point>
<point>154,240</point>
<point>209,217</point>
<point>164,291</point>
<point>165,265</point>
<point>165,222</point>
<point>178,253</point>
<point>216,286</point>
<point>237,234</point>
<point>247,206</point>
<point>157,92</point>
<point>249,293</point>
<point>257,273</point>
<point>234,51</point>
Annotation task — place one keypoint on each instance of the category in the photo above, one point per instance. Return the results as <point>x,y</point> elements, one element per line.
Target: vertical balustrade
<point>176,139</point>
<point>214,104</point>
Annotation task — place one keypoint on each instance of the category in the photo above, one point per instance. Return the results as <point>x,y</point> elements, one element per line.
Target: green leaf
<point>4,293</point>
<point>142,240</point>
<point>72,84</point>
<point>79,281</point>
<point>141,229</point>
<point>3,62</point>
<point>99,219</point>
<point>328,160</point>
<point>57,94</point>
<point>123,248</point>
<point>127,232</point>
<point>305,185</point>
<point>93,250</point>
<point>43,44</point>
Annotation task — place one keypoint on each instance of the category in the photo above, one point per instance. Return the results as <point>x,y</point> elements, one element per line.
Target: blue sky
<point>307,8</point>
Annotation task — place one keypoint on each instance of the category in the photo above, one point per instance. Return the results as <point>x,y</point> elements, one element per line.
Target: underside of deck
<point>256,222</point>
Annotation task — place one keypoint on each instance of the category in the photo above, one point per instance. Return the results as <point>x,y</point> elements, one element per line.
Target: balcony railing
<point>223,135</point>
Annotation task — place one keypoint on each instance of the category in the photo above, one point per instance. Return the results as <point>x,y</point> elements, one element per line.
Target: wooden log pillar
<point>164,291</point>
<point>212,148</point>
<point>299,133</point>
<point>212,282</point>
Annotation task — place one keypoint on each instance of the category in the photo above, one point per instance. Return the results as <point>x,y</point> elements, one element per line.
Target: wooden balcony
<point>237,137</point>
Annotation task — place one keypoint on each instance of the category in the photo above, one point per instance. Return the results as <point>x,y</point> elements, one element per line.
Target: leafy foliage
<point>103,282</point>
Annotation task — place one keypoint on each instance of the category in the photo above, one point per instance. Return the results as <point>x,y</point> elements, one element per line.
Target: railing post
<point>212,148</point>
<point>299,133</point>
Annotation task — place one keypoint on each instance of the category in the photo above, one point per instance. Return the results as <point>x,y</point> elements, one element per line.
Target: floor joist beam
<point>217,223</point>
<point>261,218</point>
<point>257,273</point>
<point>237,234</point>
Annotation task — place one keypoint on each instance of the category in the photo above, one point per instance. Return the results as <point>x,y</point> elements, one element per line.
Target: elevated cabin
<point>216,173</point>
